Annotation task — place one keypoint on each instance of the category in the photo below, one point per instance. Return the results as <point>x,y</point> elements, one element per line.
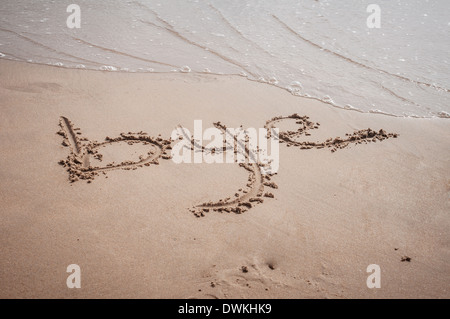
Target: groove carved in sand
<point>290,137</point>
<point>245,198</point>
<point>82,150</point>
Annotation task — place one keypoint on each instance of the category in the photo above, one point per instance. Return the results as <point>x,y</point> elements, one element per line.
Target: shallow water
<point>316,48</point>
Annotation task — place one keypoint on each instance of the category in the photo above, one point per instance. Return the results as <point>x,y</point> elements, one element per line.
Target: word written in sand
<point>244,147</point>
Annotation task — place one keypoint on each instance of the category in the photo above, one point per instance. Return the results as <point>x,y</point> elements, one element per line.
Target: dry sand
<point>135,227</point>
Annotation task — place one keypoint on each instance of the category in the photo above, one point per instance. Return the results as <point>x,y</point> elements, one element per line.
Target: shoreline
<point>305,96</point>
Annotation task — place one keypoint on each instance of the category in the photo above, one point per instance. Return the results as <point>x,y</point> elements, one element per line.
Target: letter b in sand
<point>74,20</point>
<point>74,279</point>
<point>374,20</point>
<point>374,279</point>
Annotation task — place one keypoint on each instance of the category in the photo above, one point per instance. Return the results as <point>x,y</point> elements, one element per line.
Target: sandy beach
<point>133,232</point>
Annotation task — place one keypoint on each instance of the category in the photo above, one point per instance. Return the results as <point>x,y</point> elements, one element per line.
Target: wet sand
<point>87,178</point>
